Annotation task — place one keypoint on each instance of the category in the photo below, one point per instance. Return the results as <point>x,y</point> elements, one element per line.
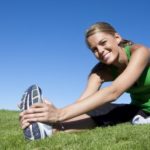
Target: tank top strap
<point>114,70</point>
<point>128,52</point>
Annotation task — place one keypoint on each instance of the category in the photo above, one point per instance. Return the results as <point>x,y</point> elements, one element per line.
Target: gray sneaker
<point>36,130</point>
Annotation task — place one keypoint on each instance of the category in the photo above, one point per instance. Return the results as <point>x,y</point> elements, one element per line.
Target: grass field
<point>120,137</point>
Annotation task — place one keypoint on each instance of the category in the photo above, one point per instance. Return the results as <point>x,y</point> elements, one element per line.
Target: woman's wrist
<point>59,116</point>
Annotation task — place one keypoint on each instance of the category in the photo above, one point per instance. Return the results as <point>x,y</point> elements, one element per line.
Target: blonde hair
<point>106,28</point>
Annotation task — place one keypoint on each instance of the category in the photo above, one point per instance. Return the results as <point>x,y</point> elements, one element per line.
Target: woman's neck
<point>122,60</point>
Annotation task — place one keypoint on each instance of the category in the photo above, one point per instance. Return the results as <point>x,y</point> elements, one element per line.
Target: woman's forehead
<point>98,37</point>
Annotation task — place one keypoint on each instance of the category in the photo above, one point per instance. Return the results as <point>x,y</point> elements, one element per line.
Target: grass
<point>120,137</point>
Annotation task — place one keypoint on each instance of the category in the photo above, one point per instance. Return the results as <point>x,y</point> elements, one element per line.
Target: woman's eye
<point>103,43</point>
<point>94,50</point>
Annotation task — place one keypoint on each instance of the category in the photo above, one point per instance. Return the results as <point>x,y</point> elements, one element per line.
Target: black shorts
<point>112,114</point>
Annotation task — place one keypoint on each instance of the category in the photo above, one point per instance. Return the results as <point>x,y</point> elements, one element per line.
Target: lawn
<point>120,137</point>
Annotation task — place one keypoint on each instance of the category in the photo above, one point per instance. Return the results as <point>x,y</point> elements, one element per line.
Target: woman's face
<point>105,46</point>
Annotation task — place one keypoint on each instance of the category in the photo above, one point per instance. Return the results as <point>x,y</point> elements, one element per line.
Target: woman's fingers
<point>28,118</point>
<point>32,117</point>
<point>25,125</point>
<point>37,119</point>
<point>34,110</point>
<point>38,105</point>
<point>47,102</point>
<point>35,115</point>
<point>38,112</point>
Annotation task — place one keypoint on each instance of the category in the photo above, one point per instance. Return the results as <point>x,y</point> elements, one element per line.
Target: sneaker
<point>36,130</point>
<point>32,95</point>
<point>138,119</point>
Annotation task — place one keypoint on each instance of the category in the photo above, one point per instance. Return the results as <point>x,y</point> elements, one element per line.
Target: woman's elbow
<point>115,93</point>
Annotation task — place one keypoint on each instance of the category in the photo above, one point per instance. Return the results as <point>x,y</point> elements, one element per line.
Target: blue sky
<point>43,42</point>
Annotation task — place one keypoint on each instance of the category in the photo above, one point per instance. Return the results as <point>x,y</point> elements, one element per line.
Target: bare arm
<point>43,112</point>
<point>97,77</point>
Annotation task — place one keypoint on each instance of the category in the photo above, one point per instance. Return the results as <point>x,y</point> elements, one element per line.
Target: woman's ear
<point>118,38</point>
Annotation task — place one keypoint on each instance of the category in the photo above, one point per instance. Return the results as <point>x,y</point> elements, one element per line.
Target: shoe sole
<point>36,130</point>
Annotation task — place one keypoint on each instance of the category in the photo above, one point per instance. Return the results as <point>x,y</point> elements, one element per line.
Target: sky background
<point>42,42</point>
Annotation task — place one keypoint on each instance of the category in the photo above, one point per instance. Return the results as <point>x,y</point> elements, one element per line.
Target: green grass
<point>120,137</point>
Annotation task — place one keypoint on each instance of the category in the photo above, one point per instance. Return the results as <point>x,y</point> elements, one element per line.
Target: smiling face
<point>105,46</point>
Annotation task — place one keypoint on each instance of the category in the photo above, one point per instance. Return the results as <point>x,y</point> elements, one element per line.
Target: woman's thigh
<point>111,114</point>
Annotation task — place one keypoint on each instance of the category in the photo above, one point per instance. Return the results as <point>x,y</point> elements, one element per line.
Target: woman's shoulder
<point>103,70</point>
<point>140,50</point>
<point>99,66</point>
<point>135,47</point>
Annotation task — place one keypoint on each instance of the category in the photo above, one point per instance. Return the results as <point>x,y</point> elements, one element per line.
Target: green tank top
<point>140,91</point>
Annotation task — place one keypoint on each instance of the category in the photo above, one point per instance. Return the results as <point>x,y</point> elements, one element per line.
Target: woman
<point>124,63</point>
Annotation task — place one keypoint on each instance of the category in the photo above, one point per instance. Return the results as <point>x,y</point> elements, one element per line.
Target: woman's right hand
<point>39,112</point>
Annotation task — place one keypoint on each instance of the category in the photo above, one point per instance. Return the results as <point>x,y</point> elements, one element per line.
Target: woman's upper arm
<point>97,76</point>
<point>139,60</point>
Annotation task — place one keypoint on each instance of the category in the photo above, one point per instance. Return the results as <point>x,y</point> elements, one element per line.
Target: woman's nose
<point>100,50</point>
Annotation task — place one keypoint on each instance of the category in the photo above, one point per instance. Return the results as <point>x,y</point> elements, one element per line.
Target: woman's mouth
<point>106,56</point>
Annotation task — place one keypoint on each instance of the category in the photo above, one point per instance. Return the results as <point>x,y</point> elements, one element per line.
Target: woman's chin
<point>107,62</point>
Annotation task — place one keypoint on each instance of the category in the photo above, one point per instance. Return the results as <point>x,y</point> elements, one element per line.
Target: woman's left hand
<point>39,112</point>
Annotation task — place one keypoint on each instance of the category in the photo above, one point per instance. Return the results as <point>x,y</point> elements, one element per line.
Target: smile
<point>106,56</point>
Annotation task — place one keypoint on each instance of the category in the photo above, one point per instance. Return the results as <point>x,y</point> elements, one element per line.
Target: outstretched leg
<point>108,114</point>
<point>76,124</point>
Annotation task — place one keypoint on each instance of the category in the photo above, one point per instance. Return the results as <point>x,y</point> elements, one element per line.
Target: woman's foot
<point>36,130</point>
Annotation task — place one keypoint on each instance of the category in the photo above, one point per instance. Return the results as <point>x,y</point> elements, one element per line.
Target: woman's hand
<point>39,112</point>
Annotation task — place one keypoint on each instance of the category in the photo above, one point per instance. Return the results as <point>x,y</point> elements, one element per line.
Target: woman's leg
<point>101,116</point>
<point>76,124</point>
<point>108,114</point>
<point>112,114</point>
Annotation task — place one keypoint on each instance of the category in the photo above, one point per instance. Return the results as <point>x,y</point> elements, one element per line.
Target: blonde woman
<point>121,61</point>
